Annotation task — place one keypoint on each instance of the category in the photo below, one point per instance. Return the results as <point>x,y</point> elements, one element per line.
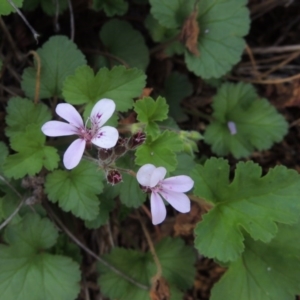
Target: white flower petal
<point>179,201</point>
<point>70,114</point>
<point>74,154</point>
<point>158,209</point>
<point>157,175</point>
<point>144,173</point>
<point>57,128</point>
<point>180,183</point>
<point>102,111</point>
<point>106,138</point>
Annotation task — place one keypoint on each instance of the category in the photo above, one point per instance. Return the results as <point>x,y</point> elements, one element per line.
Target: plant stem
<point>152,250</point>
<point>90,252</point>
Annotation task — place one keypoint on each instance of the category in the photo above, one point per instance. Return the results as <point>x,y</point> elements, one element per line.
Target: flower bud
<point>105,155</point>
<point>136,140</point>
<point>113,177</point>
<point>120,147</point>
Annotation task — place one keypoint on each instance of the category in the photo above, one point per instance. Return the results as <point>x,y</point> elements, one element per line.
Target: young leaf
<point>177,87</point>
<point>134,54</point>
<point>223,24</point>
<point>22,112</point>
<point>119,84</point>
<point>258,125</point>
<point>160,151</point>
<point>250,202</point>
<point>265,271</point>
<point>171,14</point>
<point>140,267</point>
<point>59,58</point>
<point>28,272</point>
<point>76,190</point>
<point>32,154</point>
<point>111,7</point>
<point>149,111</point>
<point>6,8</point>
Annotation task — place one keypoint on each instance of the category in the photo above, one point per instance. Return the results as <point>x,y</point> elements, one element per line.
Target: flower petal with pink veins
<point>74,154</point>
<point>106,137</point>
<point>70,114</point>
<point>102,111</point>
<point>180,183</point>
<point>157,175</point>
<point>179,201</point>
<point>158,209</point>
<point>57,128</point>
<point>144,173</point>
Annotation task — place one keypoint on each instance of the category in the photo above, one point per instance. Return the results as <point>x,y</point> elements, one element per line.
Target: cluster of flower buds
<point>107,157</point>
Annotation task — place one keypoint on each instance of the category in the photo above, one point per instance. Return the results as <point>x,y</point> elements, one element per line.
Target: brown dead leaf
<point>160,290</point>
<point>146,92</point>
<point>190,32</point>
<point>185,223</point>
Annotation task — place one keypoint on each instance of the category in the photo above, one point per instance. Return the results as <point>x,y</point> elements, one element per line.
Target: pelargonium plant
<point>135,205</point>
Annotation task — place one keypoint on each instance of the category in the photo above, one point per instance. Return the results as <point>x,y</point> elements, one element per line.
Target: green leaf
<point>111,7</point>
<point>171,13</point>
<point>131,194</point>
<point>49,7</point>
<point>150,111</point>
<point>3,155</point>
<point>119,84</point>
<point>223,24</point>
<point>32,234</point>
<point>76,190</point>
<point>134,54</point>
<point>265,271</point>
<point>158,32</point>
<point>22,112</point>
<point>249,203</point>
<point>177,87</point>
<point>59,58</point>
<point>28,273</point>
<point>6,8</point>
<point>177,264</point>
<point>106,206</point>
<point>160,151</point>
<point>258,123</point>
<point>32,154</point>
<point>185,164</point>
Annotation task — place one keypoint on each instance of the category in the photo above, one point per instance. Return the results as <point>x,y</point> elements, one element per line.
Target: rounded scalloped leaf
<point>76,190</point>
<point>257,123</point>
<point>111,7</point>
<point>6,8</point>
<point>134,54</point>
<point>119,84</point>
<point>251,203</point>
<point>59,58</point>
<point>223,24</point>
<point>171,13</point>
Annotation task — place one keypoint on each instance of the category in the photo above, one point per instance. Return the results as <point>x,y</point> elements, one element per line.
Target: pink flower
<point>171,189</point>
<point>103,137</point>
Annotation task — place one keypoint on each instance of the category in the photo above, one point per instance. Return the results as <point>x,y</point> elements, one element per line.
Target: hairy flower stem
<point>158,274</point>
<point>90,252</point>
